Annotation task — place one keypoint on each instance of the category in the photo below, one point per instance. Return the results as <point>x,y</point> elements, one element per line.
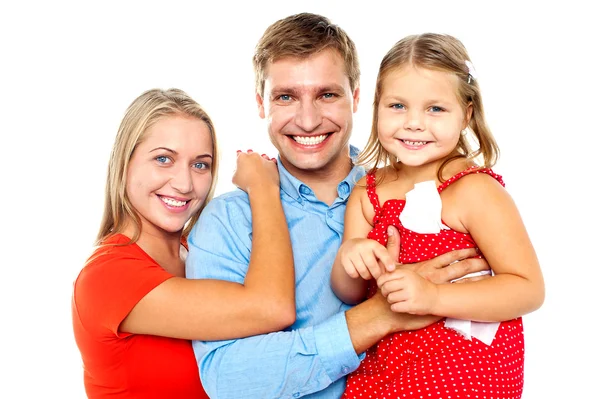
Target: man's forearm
<point>368,323</point>
<point>373,319</point>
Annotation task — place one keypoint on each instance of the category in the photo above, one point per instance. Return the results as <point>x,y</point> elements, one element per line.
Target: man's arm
<point>280,364</point>
<point>285,364</point>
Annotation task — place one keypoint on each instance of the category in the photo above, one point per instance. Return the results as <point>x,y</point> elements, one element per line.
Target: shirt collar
<point>296,188</point>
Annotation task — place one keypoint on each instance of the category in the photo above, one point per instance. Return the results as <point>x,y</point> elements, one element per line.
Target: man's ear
<point>261,106</point>
<point>355,98</point>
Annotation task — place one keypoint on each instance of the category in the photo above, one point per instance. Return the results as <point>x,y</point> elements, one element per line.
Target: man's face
<point>308,105</point>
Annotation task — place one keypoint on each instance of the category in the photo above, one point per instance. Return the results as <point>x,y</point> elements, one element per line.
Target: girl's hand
<point>408,292</point>
<point>254,171</point>
<point>362,257</point>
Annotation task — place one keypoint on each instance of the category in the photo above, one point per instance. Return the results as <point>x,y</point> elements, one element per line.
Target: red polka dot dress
<point>436,362</point>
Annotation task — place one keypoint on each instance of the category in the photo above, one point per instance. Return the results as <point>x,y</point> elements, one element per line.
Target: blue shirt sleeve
<point>286,364</point>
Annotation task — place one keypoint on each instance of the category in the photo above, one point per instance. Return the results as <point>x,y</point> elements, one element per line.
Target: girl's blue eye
<point>397,106</point>
<point>436,109</point>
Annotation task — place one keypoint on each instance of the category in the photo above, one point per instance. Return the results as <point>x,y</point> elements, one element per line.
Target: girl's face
<point>420,118</point>
<point>169,173</point>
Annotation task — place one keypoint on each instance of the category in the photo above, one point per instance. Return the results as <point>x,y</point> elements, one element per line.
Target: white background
<point>69,70</point>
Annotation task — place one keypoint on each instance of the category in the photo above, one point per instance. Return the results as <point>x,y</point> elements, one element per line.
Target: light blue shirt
<point>311,358</point>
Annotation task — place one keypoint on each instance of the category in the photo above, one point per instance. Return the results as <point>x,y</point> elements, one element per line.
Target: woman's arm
<point>215,309</point>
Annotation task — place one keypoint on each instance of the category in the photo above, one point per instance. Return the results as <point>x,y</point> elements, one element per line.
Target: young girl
<point>134,311</point>
<point>428,132</point>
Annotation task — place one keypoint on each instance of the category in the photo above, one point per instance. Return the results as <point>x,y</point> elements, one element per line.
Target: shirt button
<point>329,213</point>
<point>345,370</point>
<point>304,190</point>
<point>296,394</point>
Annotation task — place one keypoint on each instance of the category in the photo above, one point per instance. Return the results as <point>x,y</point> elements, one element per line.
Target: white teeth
<point>310,140</point>
<point>172,202</point>
<point>415,143</point>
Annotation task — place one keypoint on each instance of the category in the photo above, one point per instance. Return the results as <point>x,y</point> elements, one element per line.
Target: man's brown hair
<point>302,35</point>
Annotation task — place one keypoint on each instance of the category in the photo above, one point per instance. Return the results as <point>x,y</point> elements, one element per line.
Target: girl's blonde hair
<point>144,112</point>
<point>441,53</point>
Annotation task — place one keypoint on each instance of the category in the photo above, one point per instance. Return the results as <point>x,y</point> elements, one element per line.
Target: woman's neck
<point>162,246</point>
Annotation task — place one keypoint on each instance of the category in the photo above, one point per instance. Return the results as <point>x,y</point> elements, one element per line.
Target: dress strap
<point>470,171</point>
<point>371,193</point>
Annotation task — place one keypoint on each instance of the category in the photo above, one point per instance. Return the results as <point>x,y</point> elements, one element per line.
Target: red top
<point>417,247</point>
<point>118,364</point>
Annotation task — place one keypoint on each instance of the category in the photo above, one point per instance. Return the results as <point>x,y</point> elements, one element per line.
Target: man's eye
<point>285,97</point>
<point>328,95</point>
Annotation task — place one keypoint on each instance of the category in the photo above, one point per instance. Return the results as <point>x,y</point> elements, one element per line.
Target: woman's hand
<point>254,171</point>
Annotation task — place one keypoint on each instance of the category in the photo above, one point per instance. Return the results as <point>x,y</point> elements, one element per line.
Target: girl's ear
<point>468,115</point>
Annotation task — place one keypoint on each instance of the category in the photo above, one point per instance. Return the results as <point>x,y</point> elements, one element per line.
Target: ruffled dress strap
<point>371,193</point>
<point>470,171</point>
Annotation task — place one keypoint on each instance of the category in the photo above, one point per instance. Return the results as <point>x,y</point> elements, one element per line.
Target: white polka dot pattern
<point>436,362</point>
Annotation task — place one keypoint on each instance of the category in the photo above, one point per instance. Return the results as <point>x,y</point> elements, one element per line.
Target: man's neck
<point>324,183</point>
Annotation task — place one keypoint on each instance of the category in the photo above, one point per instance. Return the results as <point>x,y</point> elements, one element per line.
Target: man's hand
<point>446,267</point>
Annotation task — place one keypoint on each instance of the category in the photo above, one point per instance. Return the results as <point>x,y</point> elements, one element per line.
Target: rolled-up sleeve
<point>287,364</point>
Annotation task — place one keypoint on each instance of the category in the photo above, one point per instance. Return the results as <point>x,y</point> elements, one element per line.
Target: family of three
<point>332,272</point>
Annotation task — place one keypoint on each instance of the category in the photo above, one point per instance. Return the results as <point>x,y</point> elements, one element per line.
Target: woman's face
<point>169,174</point>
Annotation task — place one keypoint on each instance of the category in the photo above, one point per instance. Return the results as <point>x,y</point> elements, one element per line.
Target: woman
<point>133,310</point>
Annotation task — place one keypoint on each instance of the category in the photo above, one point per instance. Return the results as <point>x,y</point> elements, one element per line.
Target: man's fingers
<point>464,267</point>
<point>454,256</point>
<point>472,279</point>
<point>393,248</point>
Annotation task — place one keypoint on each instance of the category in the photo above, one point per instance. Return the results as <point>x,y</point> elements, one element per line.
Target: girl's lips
<point>413,144</point>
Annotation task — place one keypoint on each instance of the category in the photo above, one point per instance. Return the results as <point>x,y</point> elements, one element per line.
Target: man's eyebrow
<point>277,91</point>
<point>330,88</point>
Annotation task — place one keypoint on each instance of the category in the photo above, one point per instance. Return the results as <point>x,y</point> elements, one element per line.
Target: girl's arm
<point>480,205</point>
<point>358,257</point>
<point>215,309</point>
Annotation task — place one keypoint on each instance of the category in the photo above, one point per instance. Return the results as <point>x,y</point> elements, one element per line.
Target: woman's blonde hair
<point>442,53</point>
<point>144,112</point>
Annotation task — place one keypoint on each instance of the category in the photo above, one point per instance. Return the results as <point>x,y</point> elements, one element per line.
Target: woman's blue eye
<point>162,159</point>
<point>201,165</point>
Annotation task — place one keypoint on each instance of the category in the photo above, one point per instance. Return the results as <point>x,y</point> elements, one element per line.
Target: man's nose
<point>308,116</point>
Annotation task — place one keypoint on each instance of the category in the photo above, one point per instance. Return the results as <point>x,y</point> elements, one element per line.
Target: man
<point>307,83</point>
